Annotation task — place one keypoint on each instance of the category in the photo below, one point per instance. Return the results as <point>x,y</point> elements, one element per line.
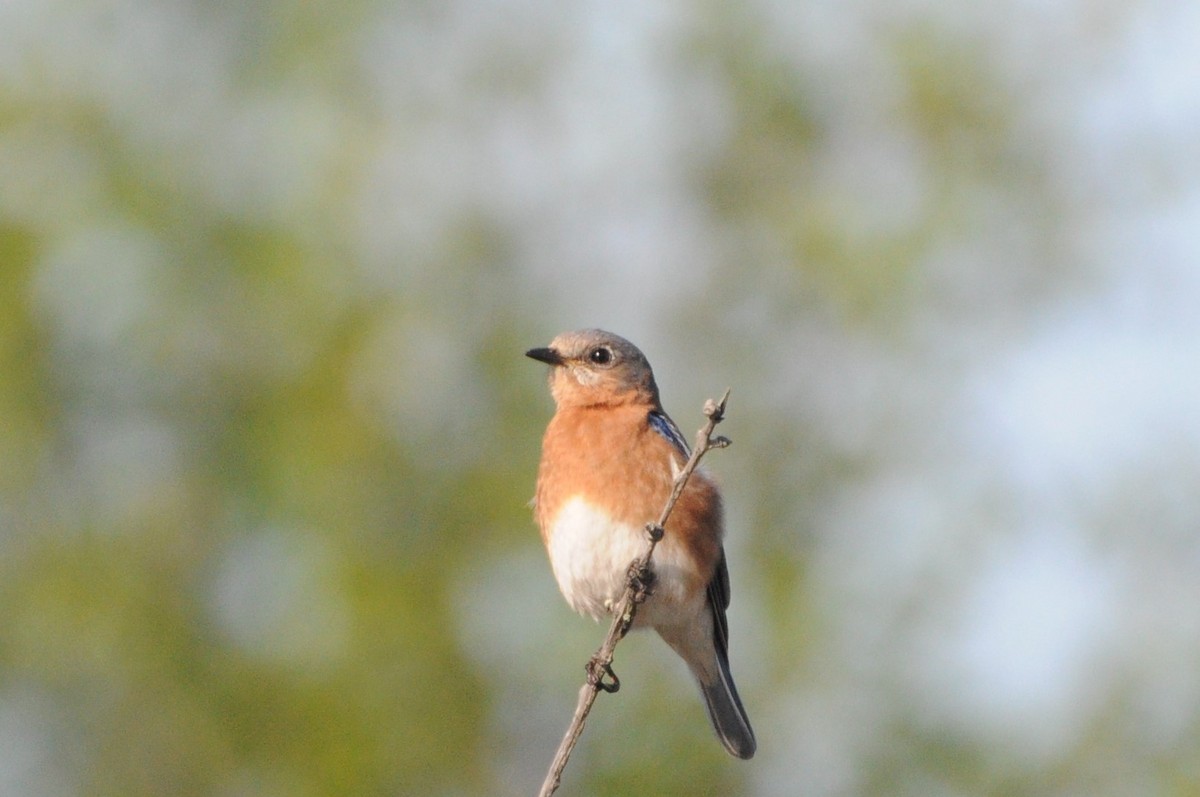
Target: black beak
<point>548,356</point>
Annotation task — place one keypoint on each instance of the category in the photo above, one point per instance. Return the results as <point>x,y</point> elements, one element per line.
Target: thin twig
<point>600,676</point>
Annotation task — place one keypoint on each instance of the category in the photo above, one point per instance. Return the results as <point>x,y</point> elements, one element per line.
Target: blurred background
<point>267,436</point>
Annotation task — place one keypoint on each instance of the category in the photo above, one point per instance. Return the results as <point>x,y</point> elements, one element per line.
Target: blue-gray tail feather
<point>726,712</point>
<point>721,697</point>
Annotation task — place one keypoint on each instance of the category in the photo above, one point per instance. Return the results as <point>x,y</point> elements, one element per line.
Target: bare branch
<point>600,675</point>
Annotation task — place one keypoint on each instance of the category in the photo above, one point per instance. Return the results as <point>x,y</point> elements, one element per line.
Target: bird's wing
<point>662,423</point>
<point>718,599</point>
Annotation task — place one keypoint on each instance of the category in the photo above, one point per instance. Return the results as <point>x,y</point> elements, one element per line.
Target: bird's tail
<point>726,712</point>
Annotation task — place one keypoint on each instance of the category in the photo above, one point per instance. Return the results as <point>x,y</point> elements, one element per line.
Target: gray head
<point>591,367</point>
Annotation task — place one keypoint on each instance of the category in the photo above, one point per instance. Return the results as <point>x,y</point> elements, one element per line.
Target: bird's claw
<point>600,675</point>
<point>641,579</point>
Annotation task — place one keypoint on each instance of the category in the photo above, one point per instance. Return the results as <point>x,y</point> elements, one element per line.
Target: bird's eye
<point>601,355</point>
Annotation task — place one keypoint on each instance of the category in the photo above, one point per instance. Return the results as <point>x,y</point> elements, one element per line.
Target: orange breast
<point>612,458</point>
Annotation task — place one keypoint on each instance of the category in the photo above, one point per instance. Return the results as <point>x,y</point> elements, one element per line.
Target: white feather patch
<point>590,554</point>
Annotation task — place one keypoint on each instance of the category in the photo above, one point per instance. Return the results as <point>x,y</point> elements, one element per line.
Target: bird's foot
<point>641,579</point>
<point>600,675</point>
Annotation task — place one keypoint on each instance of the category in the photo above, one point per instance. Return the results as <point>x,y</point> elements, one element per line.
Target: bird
<point>610,456</point>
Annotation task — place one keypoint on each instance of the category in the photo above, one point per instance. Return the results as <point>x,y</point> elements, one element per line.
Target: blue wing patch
<point>660,423</point>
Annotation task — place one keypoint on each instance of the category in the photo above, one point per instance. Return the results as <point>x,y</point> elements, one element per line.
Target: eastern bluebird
<point>609,458</point>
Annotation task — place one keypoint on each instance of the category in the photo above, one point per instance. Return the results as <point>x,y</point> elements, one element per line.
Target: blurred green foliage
<point>267,439</point>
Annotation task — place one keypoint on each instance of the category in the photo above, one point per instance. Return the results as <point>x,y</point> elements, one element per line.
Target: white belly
<point>590,555</point>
